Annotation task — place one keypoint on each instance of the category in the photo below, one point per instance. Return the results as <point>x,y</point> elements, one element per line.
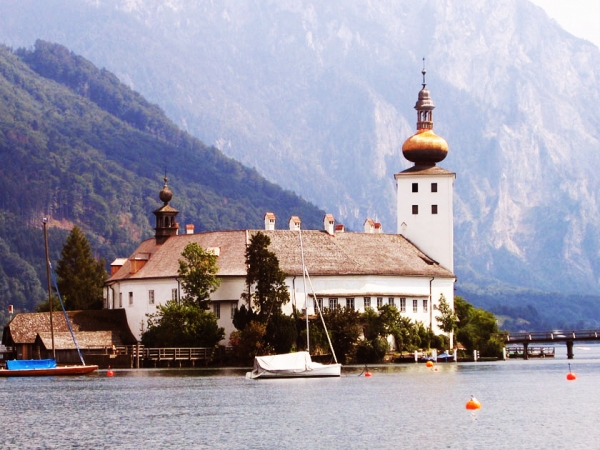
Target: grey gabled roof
<point>325,254</point>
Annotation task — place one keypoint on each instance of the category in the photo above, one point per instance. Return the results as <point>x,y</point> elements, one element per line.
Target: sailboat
<point>48,367</point>
<point>298,364</point>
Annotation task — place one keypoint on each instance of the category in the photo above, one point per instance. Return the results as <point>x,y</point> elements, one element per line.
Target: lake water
<point>525,404</point>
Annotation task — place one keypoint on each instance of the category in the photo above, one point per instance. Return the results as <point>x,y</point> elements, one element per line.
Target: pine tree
<point>80,276</point>
<point>268,280</point>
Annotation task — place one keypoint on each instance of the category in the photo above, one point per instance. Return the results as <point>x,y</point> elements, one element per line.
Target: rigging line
<point>321,315</point>
<point>305,296</point>
<point>62,305</point>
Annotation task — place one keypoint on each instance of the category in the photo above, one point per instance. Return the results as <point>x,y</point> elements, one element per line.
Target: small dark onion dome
<point>165,194</point>
<point>425,147</point>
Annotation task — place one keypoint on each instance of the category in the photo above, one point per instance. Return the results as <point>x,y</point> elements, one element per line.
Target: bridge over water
<point>566,336</point>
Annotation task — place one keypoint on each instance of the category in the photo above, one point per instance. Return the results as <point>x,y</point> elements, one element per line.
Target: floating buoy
<point>473,403</point>
<point>109,373</point>
<point>571,376</point>
<point>429,363</point>
<point>368,374</point>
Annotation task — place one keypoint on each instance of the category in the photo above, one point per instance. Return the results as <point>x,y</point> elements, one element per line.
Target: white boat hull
<point>292,365</point>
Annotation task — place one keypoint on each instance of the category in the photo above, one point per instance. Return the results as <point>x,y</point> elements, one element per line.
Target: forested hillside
<point>81,148</point>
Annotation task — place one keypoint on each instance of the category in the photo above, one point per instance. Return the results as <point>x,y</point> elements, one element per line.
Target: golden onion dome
<point>425,148</point>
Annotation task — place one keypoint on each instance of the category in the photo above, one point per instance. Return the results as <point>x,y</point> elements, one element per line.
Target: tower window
<point>415,187</point>
<point>151,297</point>
<point>433,187</point>
<point>433,209</point>
<point>415,209</point>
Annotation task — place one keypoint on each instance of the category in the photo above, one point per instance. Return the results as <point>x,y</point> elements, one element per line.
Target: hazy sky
<point>578,17</point>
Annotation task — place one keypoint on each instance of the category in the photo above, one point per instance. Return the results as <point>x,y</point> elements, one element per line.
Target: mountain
<point>318,97</point>
<point>81,148</point>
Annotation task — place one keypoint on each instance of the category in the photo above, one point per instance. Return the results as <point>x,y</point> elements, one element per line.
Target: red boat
<point>42,368</point>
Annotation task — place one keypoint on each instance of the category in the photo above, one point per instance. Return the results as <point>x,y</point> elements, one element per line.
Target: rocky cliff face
<point>319,96</point>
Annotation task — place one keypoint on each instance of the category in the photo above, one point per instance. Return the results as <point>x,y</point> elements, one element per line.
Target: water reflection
<point>525,404</point>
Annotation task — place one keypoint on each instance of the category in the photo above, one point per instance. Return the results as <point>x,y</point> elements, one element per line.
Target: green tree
<point>80,276</point>
<point>447,319</point>
<point>477,329</point>
<point>249,342</point>
<point>344,329</point>
<point>402,329</point>
<point>182,325</point>
<point>266,279</point>
<point>198,270</point>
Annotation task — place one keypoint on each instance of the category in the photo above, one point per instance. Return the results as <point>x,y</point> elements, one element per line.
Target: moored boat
<point>42,368</point>
<point>292,365</point>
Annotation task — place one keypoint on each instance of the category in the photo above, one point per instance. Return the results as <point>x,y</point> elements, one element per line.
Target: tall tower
<point>425,191</point>
<point>166,224</point>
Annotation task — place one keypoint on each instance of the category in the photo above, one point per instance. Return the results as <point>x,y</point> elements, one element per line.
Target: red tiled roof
<point>325,254</point>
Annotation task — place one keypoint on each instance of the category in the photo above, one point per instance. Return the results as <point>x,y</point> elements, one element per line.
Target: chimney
<point>329,223</point>
<point>339,228</point>
<point>369,226</point>
<point>269,221</point>
<point>295,223</point>
<point>189,228</point>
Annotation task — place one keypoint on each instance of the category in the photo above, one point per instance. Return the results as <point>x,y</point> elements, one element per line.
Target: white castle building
<point>411,269</point>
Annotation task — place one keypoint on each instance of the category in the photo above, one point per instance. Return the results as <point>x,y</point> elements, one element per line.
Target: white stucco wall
<point>432,233</point>
<point>340,287</point>
<point>358,287</point>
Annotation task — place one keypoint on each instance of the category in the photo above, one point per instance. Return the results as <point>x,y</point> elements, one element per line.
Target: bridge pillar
<point>569,349</point>
<point>525,350</point>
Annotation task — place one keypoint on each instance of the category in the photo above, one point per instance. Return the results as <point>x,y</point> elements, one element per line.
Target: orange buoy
<point>473,403</point>
<point>109,373</point>
<point>571,376</point>
<point>429,363</point>
<point>368,374</point>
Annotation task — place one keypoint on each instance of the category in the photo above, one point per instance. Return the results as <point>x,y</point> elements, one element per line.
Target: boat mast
<point>45,221</point>
<point>305,293</point>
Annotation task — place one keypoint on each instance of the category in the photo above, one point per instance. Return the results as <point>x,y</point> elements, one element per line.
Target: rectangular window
<point>217,310</point>
<point>367,302</point>
<point>120,299</point>
<point>433,187</point>
<point>174,294</point>
<point>402,305</point>
<point>234,307</point>
<point>415,306</point>
<point>350,302</point>
<point>415,187</point>
<point>333,303</point>
<point>425,305</point>
<point>415,209</point>
<point>433,209</point>
<point>391,301</point>
<point>320,303</point>
<point>379,302</point>
<point>151,297</point>
<point>131,299</point>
